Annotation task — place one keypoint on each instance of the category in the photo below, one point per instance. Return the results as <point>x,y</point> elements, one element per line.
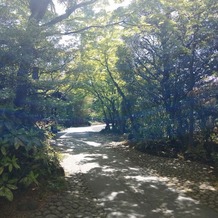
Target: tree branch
<point>68,12</point>
<point>90,27</point>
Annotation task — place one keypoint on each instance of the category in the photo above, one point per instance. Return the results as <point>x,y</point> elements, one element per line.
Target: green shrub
<point>25,156</point>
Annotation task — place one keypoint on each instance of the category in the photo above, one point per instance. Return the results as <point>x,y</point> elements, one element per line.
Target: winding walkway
<point>106,183</point>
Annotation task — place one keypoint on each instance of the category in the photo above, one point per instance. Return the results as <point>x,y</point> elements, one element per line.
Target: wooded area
<point>147,69</point>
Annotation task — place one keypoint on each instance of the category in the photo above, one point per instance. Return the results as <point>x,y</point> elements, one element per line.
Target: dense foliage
<point>172,58</point>
<point>25,158</point>
<point>163,70</point>
<point>34,75</point>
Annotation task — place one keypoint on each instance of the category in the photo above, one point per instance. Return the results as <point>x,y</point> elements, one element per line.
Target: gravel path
<point>77,201</point>
<point>108,179</point>
<point>195,180</point>
<point>127,183</point>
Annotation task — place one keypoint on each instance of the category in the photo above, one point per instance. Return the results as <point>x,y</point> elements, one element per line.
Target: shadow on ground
<point>123,188</point>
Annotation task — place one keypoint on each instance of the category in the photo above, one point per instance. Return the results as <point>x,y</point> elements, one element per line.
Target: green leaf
<point>12,187</point>
<point>1,170</point>
<point>16,165</point>
<point>2,194</point>
<point>18,143</point>
<point>12,181</point>
<point>3,150</point>
<point>14,162</point>
<point>8,194</point>
<point>10,167</point>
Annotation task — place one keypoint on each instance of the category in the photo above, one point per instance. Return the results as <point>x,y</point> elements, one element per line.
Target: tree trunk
<point>38,9</point>
<point>126,104</point>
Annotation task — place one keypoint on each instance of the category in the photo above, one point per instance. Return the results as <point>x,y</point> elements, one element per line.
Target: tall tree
<point>172,53</point>
<point>34,28</point>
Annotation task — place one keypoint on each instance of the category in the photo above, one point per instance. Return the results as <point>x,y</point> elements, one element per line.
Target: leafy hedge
<point>25,155</point>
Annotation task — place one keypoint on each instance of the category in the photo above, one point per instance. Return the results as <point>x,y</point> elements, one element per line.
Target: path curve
<point>120,187</point>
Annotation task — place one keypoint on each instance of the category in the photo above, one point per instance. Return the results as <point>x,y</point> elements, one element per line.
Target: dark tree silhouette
<point>38,8</point>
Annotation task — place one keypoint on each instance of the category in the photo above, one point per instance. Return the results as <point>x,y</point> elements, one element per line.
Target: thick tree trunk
<point>38,9</point>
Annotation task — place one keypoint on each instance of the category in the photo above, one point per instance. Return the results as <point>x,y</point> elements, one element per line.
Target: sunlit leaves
<point>7,185</point>
<point>30,179</point>
<point>6,192</point>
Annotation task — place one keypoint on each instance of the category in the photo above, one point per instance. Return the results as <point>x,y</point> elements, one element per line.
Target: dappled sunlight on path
<point>123,188</point>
